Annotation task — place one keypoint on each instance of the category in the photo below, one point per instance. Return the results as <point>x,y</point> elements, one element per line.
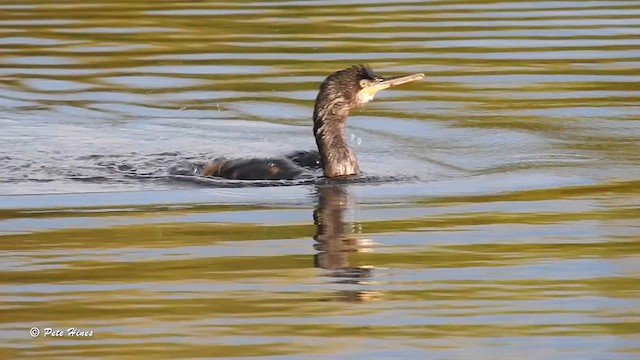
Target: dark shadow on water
<point>337,239</point>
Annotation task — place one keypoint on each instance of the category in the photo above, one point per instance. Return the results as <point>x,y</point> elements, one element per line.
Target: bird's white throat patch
<point>364,97</point>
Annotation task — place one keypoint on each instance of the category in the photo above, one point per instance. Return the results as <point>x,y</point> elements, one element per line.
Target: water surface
<point>514,232</point>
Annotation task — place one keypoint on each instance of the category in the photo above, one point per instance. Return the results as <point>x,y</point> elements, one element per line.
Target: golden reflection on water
<point>179,283</point>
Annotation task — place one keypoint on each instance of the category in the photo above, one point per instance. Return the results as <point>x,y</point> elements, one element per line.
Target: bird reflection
<point>336,238</point>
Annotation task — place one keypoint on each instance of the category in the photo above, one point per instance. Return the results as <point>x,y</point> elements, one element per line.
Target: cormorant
<point>339,93</point>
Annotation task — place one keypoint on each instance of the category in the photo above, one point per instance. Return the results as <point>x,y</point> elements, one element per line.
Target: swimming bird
<point>339,93</point>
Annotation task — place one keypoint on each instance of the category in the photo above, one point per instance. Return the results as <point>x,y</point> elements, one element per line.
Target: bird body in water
<point>339,93</point>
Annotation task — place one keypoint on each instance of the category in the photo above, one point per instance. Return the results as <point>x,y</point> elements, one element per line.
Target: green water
<point>516,235</point>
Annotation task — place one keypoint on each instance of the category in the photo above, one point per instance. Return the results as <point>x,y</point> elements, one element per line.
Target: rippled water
<point>516,235</point>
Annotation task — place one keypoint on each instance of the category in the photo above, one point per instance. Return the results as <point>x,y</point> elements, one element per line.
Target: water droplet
<point>359,140</point>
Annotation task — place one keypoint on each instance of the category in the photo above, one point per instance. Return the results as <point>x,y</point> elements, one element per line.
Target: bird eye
<point>364,83</point>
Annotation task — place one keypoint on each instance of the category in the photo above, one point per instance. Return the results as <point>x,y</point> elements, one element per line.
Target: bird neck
<point>337,157</point>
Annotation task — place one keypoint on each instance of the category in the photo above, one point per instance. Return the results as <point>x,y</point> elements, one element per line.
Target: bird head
<point>353,87</point>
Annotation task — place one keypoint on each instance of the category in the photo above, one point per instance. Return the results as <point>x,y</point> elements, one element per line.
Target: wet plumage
<point>339,93</point>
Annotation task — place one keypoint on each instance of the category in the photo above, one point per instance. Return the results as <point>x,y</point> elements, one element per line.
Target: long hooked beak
<point>389,82</point>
